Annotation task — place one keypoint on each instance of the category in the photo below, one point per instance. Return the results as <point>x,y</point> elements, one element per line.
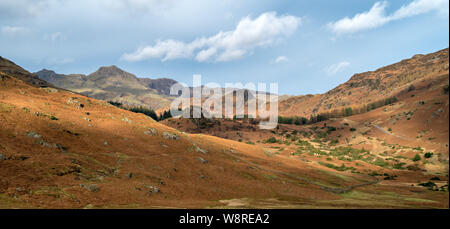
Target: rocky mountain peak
<point>110,70</point>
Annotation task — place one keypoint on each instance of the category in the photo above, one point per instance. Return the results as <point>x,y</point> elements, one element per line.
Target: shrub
<point>334,142</point>
<point>352,129</point>
<point>389,177</point>
<point>428,154</point>
<point>413,168</point>
<point>322,135</point>
<point>445,89</point>
<point>429,184</point>
<point>271,140</point>
<point>285,120</point>
<point>304,120</point>
<point>331,128</point>
<point>399,165</point>
<point>303,143</point>
<point>380,162</point>
<point>416,158</point>
<point>338,168</point>
<point>116,104</point>
<point>374,173</point>
<point>348,111</point>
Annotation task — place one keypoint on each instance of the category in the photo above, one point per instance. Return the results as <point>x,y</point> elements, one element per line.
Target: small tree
<point>348,111</point>
<point>304,121</point>
<point>165,115</point>
<point>272,140</point>
<point>416,158</point>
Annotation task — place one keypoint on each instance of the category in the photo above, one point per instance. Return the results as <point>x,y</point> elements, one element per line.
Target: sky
<point>307,47</point>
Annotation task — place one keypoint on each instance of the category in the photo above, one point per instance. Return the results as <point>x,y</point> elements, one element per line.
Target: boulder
<point>171,136</point>
<point>203,161</point>
<point>33,134</point>
<point>151,132</point>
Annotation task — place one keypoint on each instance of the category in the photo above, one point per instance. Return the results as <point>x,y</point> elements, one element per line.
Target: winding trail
<point>387,132</point>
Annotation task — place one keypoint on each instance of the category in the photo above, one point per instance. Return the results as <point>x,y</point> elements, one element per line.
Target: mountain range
<point>114,84</point>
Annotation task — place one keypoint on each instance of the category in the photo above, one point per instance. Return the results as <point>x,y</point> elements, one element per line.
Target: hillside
<point>368,87</point>
<point>113,84</point>
<point>64,150</point>
<point>9,67</point>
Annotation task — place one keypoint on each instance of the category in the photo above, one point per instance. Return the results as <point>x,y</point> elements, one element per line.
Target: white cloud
<point>224,46</point>
<point>281,59</point>
<point>377,17</point>
<point>23,8</point>
<point>205,54</point>
<point>370,19</point>
<point>165,50</point>
<point>31,8</point>
<point>14,31</point>
<point>335,68</point>
<point>139,7</point>
<point>156,7</point>
<point>420,7</point>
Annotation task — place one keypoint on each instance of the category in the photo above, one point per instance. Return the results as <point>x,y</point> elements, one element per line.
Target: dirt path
<point>387,132</point>
<point>378,127</point>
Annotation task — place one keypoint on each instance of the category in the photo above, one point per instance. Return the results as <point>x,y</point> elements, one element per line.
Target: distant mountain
<point>162,85</point>
<point>368,87</point>
<point>111,83</point>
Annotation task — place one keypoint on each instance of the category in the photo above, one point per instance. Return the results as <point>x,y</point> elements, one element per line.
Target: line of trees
<point>143,110</point>
<point>337,113</point>
<point>293,120</point>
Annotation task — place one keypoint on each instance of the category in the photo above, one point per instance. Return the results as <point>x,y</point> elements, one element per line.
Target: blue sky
<point>305,46</point>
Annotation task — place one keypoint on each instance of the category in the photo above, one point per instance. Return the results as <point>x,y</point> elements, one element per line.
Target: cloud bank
<point>377,17</point>
<point>22,8</point>
<point>14,31</point>
<point>335,68</point>
<point>249,33</point>
<point>281,59</point>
